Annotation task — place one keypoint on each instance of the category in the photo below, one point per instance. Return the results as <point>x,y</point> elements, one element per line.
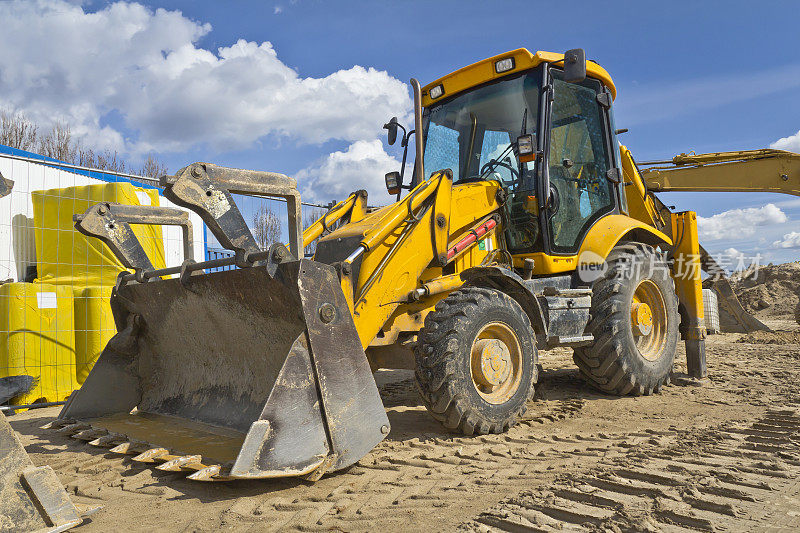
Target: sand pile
<point>771,337</point>
<point>772,290</point>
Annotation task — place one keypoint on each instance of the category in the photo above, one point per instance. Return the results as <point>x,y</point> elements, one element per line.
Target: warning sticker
<point>46,300</point>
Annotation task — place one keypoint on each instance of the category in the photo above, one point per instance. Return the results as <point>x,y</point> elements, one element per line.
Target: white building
<point>17,246</point>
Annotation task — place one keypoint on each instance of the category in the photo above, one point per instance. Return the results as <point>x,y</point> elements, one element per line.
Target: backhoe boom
<point>763,170</point>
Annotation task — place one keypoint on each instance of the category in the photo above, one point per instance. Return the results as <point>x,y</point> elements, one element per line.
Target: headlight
<point>436,92</point>
<point>504,65</point>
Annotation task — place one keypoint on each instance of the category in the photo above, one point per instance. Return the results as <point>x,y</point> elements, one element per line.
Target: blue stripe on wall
<point>102,176</point>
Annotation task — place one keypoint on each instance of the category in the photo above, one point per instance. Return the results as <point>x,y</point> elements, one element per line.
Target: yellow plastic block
<point>66,257</point>
<point>37,339</point>
<point>94,327</point>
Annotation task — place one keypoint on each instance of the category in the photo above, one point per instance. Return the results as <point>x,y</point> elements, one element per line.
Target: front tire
<point>634,320</point>
<point>476,361</point>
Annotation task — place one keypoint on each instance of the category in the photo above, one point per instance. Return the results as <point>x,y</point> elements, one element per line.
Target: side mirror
<point>391,126</point>
<point>393,182</point>
<point>574,65</point>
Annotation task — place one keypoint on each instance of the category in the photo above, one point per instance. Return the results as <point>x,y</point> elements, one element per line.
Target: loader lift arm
<point>353,209</point>
<point>206,189</point>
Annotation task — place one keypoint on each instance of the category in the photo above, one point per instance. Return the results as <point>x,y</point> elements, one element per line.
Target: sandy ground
<point>723,454</point>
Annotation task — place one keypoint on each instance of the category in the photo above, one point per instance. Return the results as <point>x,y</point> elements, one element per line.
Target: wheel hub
<point>494,362</point>
<point>649,319</point>
<point>641,318</point>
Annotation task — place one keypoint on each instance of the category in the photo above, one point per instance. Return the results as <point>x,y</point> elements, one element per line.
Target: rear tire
<point>476,361</point>
<point>623,358</point>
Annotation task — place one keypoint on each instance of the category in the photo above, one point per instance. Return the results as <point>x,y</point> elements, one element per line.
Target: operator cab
<point>553,196</point>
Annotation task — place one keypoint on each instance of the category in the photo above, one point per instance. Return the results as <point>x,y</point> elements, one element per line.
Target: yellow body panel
<point>640,205</point>
<point>388,294</point>
<point>395,280</point>
<point>686,268</point>
<point>37,339</point>
<point>484,71</point>
<point>600,240</point>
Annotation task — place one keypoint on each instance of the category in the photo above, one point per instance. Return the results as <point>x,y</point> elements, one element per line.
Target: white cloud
<point>142,69</point>
<point>277,11</point>
<point>790,240</point>
<point>729,258</point>
<point>790,143</point>
<point>361,166</point>
<point>737,223</point>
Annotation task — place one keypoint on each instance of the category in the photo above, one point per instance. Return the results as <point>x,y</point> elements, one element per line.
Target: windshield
<point>472,133</point>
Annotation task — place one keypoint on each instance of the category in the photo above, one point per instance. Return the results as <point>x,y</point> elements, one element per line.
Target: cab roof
<point>484,71</point>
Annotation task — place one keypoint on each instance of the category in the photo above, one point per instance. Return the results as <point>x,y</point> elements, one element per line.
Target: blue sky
<point>702,76</point>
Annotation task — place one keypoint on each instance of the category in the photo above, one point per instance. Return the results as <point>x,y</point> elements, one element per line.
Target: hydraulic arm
<point>741,171</point>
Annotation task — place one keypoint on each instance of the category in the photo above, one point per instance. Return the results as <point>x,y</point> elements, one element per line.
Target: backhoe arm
<point>742,171</point>
<point>763,170</point>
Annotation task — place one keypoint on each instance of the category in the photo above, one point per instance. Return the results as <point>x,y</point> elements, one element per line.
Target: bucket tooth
<point>196,467</point>
<point>179,463</point>
<point>72,429</point>
<point>109,441</point>
<point>320,471</point>
<point>130,448</point>
<point>59,423</point>
<point>151,455</point>
<point>210,473</point>
<point>90,434</point>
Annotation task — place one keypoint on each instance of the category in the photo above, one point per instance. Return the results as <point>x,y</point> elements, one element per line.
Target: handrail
<point>419,165</point>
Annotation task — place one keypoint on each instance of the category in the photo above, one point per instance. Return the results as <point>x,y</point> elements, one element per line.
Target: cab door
<point>577,160</point>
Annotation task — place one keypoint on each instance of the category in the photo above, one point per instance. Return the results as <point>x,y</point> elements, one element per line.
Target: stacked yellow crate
<point>37,339</point>
<point>55,328</point>
<point>94,327</point>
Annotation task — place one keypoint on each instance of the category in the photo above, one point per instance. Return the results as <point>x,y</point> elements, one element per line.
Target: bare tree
<point>17,131</point>
<point>107,160</point>
<point>153,168</point>
<point>86,158</point>
<point>59,144</point>
<point>309,217</point>
<point>266,227</point>
<point>110,161</point>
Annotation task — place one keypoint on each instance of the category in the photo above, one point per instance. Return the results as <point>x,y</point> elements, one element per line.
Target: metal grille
<point>711,311</point>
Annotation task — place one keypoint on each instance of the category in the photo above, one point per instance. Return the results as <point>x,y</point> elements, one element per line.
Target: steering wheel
<point>491,165</point>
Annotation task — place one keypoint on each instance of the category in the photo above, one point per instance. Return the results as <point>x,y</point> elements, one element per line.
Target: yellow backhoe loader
<point>526,226</point>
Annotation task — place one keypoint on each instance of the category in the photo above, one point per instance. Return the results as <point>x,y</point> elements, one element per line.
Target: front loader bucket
<point>234,374</point>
